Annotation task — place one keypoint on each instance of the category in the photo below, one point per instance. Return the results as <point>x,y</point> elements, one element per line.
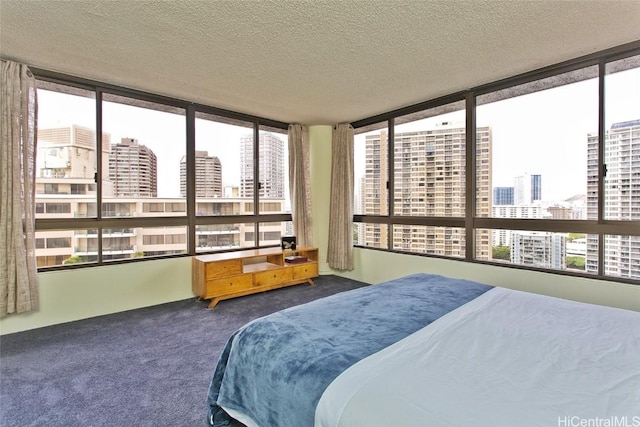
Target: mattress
<point>431,350</point>
<point>273,371</point>
<point>507,358</point>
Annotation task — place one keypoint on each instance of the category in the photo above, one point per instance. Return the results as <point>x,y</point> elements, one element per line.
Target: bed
<point>430,350</point>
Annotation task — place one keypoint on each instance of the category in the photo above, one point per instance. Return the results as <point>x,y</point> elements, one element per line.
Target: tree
<point>572,236</point>
<point>501,252</point>
<point>576,262</point>
<point>73,259</point>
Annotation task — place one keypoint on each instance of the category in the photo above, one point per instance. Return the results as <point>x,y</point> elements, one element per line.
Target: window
<point>147,140</point>
<point>146,207</point>
<point>58,242</point>
<point>216,237</point>
<point>66,154</point>
<point>371,193</point>
<point>371,170</point>
<point>273,179</point>
<point>224,171</point>
<point>429,162</point>
<point>370,234</point>
<point>272,232</point>
<point>536,138</point>
<point>55,248</point>
<point>153,239</point>
<point>141,242</point>
<point>561,251</point>
<point>441,241</point>
<point>50,188</point>
<point>555,172</point>
<point>622,162</point>
<point>538,149</point>
<point>58,208</point>
<point>622,140</point>
<point>429,182</point>
<point>137,172</point>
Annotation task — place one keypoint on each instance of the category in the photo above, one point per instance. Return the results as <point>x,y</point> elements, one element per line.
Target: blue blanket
<point>276,368</point>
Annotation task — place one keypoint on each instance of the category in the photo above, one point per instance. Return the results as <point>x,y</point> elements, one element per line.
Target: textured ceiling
<point>313,62</point>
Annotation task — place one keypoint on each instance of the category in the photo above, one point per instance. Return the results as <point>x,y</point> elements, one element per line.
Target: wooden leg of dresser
<point>213,303</point>
<point>311,282</point>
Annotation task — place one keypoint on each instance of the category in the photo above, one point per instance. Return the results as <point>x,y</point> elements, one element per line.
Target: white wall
<point>372,266</point>
<point>320,170</point>
<point>70,295</point>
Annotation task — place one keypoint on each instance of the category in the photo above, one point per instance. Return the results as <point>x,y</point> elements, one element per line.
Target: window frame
<point>471,222</point>
<point>188,219</point>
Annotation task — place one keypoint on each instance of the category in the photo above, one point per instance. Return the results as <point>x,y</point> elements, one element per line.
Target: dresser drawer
<point>305,271</point>
<point>228,285</point>
<point>272,277</point>
<point>217,269</point>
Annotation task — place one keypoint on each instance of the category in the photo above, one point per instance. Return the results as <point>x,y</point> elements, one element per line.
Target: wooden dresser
<point>232,274</point>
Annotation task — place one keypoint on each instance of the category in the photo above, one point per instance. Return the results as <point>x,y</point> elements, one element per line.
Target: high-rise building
<point>208,175</point>
<point>66,165</point>
<point>621,198</point>
<point>527,189</point>
<point>270,169</point>
<point>133,169</point>
<point>502,237</point>
<point>65,188</point>
<point>374,197</point>
<point>69,152</point>
<point>429,180</point>
<point>539,249</point>
<point>67,161</point>
<point>502,196</point>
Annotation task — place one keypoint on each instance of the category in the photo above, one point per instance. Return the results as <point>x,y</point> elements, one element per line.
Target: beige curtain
<point>299,184</point>
<point>18,270</point>
<point>340,248</point>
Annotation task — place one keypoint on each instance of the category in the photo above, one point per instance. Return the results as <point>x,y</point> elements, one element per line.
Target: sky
<point>544,132</point>
<point>541,133</point>
<point>164,133</point>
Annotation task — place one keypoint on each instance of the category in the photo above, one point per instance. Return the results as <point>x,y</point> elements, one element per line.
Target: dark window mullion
<point>470,176</point>
<point>601,150</point>
<point>99,172</point>
<point>191,180</point>
<point>391,132</point>
<point>256,183</point>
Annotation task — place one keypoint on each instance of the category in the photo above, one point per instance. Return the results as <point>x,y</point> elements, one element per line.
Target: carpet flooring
<point>144,367</point>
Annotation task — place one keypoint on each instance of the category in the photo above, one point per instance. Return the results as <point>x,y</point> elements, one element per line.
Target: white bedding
<point>506,358</point>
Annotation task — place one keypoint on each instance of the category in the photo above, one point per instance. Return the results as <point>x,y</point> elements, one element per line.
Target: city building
<point>527,189</point>
<point>57,247</point>
<point>539,249</point>
<point>270,169</point>
<point>574,207</point>
<point>577,247</point>
<point>502,237</point>
<point>67,161</point>
<point>133,169</point>
<point>429,180</point>
<point>502,196</point>
<point>208,175</point>
<point>373,193</point>
<point>65,188</point>
<point>621,198</point>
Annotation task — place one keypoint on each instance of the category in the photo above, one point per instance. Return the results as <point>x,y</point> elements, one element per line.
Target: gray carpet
<point>145,367</point>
